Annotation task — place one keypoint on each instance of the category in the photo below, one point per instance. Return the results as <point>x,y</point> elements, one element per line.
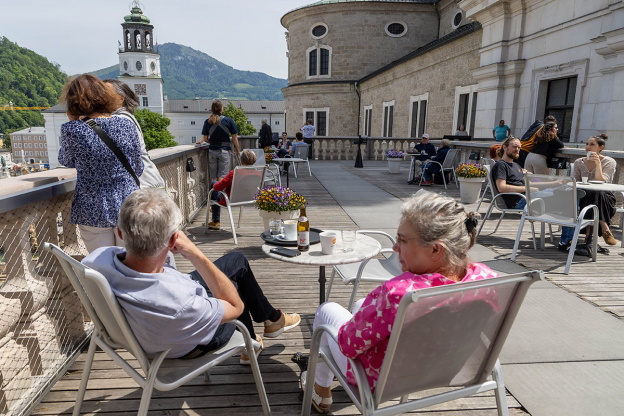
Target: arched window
<point>128,42</point>
<point>148,40</point>
<point>319,61</point>
<point>137,39</point>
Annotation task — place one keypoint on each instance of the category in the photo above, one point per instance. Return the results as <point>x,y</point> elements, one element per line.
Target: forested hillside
<point>27,80</point>
<point>187,72</point>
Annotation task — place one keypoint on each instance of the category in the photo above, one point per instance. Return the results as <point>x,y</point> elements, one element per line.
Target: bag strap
<point>218,124</point>
<point>113,147</point>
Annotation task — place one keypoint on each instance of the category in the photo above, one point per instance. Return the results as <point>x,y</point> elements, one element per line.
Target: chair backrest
<point>449,159</point>
<point>246,182</point>
<point>301,151</point>
<point>551,198</point>
<point>450,335</point>
<point>487,161</point>
<point>101,304</point>
<point>260,159</point>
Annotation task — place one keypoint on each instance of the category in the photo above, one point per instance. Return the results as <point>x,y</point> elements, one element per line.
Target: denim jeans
<point>567,233</point>
<point>520,204</point>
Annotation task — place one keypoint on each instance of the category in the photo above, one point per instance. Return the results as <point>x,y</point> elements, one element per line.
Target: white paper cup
<point>328,241</point>
<point>290,229</point>
<point>589,154</point>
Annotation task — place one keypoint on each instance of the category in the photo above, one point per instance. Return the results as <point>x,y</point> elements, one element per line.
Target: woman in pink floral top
<point>433,239</point>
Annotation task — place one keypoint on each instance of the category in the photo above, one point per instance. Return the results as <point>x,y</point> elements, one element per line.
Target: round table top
<point>613,187</point>
<point>364,248</point>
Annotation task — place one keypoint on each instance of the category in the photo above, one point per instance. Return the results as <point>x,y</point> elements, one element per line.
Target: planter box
<point>470,189</point>
<point>394,164</point>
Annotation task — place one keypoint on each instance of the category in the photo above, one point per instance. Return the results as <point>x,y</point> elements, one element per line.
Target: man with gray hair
<point>167,309</point>
<point>265,138</point>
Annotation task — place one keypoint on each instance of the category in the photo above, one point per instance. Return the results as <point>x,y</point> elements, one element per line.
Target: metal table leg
<point>322,284</point>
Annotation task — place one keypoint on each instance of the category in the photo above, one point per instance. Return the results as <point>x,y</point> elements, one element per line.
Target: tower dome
<point>136,16</point>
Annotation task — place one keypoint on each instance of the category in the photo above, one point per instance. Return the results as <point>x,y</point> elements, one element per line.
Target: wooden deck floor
<point>232,390</point>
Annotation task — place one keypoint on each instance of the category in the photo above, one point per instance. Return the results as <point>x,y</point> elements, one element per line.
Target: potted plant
<point>394,158</point>
<point>470,177</point>
<point>278,203</point>
<point>268,158</point>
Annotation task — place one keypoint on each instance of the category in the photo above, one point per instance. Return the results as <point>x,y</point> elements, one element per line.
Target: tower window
<point>319,31</point>
<point>137,39</point>
<point>319,61</point>
<point>192,123</point>
<point>145,102</point>
<point>139,66</point>
<point>313,63</point>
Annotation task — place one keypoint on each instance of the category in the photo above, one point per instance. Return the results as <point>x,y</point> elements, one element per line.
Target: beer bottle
<point>303,232</point>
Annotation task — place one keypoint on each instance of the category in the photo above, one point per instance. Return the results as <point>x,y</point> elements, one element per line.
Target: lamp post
<point>358,158</point>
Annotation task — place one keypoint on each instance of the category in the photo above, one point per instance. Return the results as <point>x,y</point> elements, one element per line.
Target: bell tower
<point>139,61</point>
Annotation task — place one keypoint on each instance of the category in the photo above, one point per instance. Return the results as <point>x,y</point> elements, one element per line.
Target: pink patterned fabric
<point>366,335</point>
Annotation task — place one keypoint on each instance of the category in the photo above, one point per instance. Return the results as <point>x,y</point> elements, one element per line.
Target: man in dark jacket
<point>266,135</point>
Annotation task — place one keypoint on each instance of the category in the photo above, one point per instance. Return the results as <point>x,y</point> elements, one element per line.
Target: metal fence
<point>42,324</point>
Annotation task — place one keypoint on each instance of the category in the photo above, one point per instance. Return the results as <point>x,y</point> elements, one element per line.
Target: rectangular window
<point>388,117</point>
<point>46,145</point>
<point>462,116</point>
<point>193,139</point>
<point>321,123</point>
<point>145,103</point>
<point>422,118</point>
<point>312,69</point>
<point>30,154</point>
<point>36,153</point>
<point>465,109</point>
<point>418,115</point>
<point>473,114</point>
<point>16,152</point>
<point>46,153</point>
<point>368,113</point>
<point>277,122</point>
<point>560,104</point>
<point>324,61</point>
<point>320,120</point>
<point>192,123</point>
<point>36,145</point>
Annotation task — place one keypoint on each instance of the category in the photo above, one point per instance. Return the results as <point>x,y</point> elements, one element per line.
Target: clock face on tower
<point>126,65</point>
<point>138,66</point>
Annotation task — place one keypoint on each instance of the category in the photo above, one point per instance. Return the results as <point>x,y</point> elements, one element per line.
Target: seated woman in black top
<point>545,145</point>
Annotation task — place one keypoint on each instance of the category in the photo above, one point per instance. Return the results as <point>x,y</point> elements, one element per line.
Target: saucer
<point>596,182</point>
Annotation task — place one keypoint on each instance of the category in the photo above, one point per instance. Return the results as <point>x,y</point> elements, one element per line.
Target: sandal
<point>301,360</point>
<point>320,404</point>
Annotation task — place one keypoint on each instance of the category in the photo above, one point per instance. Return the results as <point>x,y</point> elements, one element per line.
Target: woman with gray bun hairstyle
<point>433,239</point>
<point>126,103</point>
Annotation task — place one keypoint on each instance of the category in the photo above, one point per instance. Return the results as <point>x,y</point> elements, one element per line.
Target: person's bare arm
<point>235,142</point>
<point>219,284</point>
<point>504,187</point>
<point>204,139</point>
<point>494,134</point>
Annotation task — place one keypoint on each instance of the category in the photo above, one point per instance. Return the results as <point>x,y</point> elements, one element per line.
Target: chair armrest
<point>581,216</point>
<point>376,232</point>
<point>332,331</point>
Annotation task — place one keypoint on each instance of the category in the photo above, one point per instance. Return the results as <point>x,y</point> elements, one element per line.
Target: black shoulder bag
<point>113,147</point>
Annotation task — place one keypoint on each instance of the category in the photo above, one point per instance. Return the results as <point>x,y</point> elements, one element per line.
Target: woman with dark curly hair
<point>545,145</point>
<point>103,182</point>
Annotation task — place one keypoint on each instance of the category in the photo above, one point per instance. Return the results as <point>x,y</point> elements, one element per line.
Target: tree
<point>154,128</point>
<point>243,125</point>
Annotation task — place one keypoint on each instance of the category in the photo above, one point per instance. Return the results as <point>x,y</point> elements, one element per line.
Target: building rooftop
<point>324,2</point>
<point>30,130</point>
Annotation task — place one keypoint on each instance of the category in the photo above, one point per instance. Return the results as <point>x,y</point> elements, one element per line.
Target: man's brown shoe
<point>286,322</point>
<point>244,358</point>
<point>608,238</point>
<point>214,225</point>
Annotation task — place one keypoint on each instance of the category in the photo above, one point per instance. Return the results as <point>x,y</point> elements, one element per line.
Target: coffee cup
<point>290,229</point>
<point>588,155</point>
<point>584,179</point>
<point>328,241</point>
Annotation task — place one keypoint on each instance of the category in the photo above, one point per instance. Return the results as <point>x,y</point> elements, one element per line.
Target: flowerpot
<point>469,189</point>
<point>286,215</point>
<point>394,164</point>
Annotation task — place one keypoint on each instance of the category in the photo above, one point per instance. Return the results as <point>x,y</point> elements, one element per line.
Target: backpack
<point>214,127</point>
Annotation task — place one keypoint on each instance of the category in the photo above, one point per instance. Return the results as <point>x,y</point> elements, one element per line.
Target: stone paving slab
<point>568,389</point>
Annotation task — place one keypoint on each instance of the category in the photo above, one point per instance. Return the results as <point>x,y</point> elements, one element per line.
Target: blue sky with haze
<point>82,36</point>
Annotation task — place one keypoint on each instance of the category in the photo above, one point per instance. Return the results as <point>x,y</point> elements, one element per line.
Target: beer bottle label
<point>304,238</point>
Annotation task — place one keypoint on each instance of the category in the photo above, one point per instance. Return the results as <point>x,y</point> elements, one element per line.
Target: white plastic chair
<point>446,336</point>
<point>370,270</point>
<point>112,331</point>
<point>301,152</point>
<point>553,200</point>
<point>498,202</point>
<point>447,165</point>
<point>246,182</point>
<point>486,162</point>
<point>272,173</point>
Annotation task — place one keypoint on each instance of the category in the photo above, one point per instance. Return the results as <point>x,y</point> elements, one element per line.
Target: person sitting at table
<point>508,176</point>
<point>599,168</point>
<point>167,309</point>
<point>434,235</point>
<point>432,168</point>
<point>427,151</point>
<point>284,150</point>
<point>494,152</point>
<point>247,158</point>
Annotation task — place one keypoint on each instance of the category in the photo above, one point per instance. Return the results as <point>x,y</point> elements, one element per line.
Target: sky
<point>82,35</point>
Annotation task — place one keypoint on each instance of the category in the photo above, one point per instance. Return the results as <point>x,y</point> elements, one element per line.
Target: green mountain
<point>26,80</point>
<point>187,72</point>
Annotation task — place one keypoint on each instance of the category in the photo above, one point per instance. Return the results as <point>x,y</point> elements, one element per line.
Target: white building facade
<point>30,145</point>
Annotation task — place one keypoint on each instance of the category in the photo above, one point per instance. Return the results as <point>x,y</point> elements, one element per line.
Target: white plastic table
<point>288,159</point>
<point>364,247</point>
<point>613,187</point>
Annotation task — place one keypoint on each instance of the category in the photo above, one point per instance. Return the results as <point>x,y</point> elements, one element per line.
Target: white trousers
<point>330,313</point>
<point>95,237</point>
